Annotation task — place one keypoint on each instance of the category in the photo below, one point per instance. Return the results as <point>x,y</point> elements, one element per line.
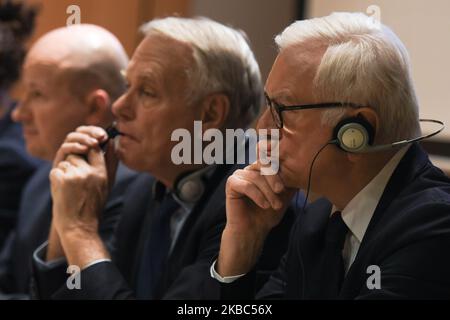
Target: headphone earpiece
<point>191,186</point>
<point>353,134</point>
<point>190,190</point>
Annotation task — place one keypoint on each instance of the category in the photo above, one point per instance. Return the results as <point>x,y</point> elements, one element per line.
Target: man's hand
<point>79,186</point>
<point>255,203</point>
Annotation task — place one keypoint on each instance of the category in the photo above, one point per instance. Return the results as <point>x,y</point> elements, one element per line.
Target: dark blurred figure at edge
<point>16,166</point>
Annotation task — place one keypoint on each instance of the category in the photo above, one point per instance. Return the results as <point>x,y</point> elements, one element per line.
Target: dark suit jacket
<point>408,238</point>
<point>34,223</point>
<point>16,167</point>
<point>186,274</point>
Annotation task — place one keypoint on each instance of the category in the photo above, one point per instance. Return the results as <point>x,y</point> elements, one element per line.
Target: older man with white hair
<point>341,93</point>
<point>185,70</point>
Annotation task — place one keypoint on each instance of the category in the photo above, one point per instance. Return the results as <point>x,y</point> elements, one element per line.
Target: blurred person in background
<point>16,166</point>
<point>71,77</point>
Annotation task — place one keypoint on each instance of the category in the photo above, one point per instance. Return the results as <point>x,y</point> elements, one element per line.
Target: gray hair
<point>224,63</point>
<point>364,63</point>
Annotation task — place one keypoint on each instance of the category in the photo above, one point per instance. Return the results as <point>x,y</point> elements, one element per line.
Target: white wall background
<point>262,20</point>
<point>423,26</point>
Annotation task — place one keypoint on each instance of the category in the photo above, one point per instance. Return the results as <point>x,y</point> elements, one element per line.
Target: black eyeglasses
<point>276,108</point>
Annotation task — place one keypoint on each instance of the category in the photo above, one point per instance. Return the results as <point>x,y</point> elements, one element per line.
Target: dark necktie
<point>332,266</point>
<point>155,249</point>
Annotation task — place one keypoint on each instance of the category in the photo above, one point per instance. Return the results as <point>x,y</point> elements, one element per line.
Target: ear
<point>215,110</point>
<point>99,108</point>
<point>372,117</point>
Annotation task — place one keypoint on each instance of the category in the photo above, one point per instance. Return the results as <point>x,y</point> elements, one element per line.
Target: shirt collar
<point>359,211</point>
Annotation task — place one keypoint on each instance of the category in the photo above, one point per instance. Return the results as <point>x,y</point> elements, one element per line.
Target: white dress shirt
<point>359,211</point>
<point>356,214</point>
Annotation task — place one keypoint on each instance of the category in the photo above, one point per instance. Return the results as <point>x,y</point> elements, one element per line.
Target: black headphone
<point>356,135</point>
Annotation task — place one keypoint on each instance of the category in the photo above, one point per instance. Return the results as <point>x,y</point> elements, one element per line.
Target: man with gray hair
<point>185,70</point>
<point>341,93</point>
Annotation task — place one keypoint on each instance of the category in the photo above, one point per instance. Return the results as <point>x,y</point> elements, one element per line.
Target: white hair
<point>364,63</point>
<point>224,64</point>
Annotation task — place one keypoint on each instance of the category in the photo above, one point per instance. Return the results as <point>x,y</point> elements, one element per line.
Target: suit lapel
<point>414,161</point>
<point>313,224</point>
<point>412,164</point>
<point>310,246</point>
<point>131,229</point>
<point>209,203</point>
<point>33,223</point>
<point>36,204</point>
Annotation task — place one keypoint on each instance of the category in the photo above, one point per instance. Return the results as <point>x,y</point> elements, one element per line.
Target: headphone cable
<point>310,172</point>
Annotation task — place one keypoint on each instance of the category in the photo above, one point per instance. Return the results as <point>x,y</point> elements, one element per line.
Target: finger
<point>60,156</point>
<point>56,174</point>
<point>68,148</point>
<point>82,138</point>
<point>93,131</point>
<point>96,158</point>
<point>77,161</point>
<point>255,178</point>
<point>275,182</point>
<point>63,166</point>
<point>255,166</point>
<point>238,188</point>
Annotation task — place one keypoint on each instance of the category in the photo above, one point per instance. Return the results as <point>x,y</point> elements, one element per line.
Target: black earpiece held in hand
<point>112,133</point>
